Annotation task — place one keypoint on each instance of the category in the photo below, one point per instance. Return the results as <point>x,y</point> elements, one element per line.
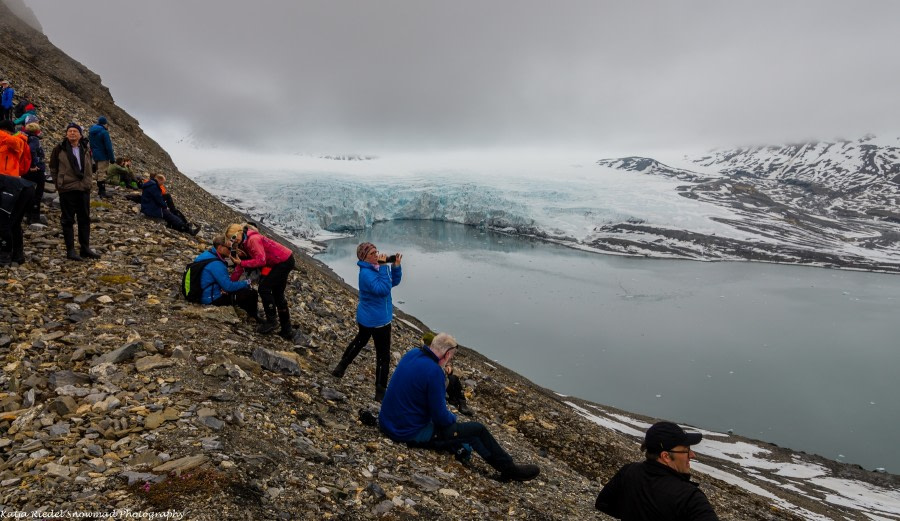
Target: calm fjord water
<point>802,357</point>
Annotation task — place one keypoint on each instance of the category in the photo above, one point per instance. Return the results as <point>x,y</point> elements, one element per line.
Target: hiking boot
<point>193,229</point>
<point>88,253</point>
<point>267,327</point>
<point>379,394</point>
<point>520,472</point>
<point>338,371</point>
<point>463,408</point>
<point>71,254</point>
<point>5,258</point>
<point>18,256</point>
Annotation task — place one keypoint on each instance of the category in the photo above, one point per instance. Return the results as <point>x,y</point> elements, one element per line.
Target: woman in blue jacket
<point>218,288</point>
<point>374,312</point>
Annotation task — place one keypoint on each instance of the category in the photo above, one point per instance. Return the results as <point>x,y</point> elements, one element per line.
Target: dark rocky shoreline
<point>117,395</point>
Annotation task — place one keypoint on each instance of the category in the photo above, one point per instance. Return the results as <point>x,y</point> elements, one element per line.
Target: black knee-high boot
<point>353,349</point>
<point>284,317</point>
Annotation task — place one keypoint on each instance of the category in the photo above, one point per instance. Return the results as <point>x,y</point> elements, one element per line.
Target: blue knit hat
<point>75,125</point>
<point>102,120</point>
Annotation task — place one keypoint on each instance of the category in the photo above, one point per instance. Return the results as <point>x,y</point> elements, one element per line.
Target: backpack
<point>191,289</point>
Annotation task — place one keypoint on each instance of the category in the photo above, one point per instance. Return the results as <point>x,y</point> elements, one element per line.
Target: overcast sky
<point>366,76</point>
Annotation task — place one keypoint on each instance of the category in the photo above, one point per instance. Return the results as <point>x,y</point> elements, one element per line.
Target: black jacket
<point>651,491</point>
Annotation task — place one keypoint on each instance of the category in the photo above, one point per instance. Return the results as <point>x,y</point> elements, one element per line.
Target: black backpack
<point>191,289</point>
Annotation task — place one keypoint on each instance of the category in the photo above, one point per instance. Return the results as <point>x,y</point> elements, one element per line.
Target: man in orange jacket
<point>15,192</point>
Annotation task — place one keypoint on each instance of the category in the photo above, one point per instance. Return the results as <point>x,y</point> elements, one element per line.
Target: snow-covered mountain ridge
<point>820,203</point>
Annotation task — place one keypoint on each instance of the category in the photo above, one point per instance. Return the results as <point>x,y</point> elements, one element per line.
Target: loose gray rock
<point>331,394</point>
<point>119,355</point>
<point>65,378</point>
<point>428,483</point>
<point>277,361</point>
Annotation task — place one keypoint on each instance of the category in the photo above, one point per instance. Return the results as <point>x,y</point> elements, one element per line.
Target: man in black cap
<point>660,488</point>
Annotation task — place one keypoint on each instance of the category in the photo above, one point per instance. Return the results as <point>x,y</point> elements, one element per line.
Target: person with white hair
<point>414,411</point>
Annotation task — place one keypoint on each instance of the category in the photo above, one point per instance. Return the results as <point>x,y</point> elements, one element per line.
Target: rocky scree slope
<point>116,394</point>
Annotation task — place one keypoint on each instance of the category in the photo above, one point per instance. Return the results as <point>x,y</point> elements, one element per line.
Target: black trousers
<point>16,196</point>
<point>382,337</point>
<point>34,208</point>
<point>74,206</point>
<point>473,434</point>
<point>244,298</point>
<point>272,287</point>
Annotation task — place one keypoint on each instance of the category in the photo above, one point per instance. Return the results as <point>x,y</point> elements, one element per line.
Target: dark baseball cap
<point>663,436</point>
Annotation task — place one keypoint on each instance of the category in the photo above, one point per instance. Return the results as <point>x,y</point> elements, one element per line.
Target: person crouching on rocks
<point>274,262</point>
<point>414,411</point>
<point>153,205</point>
<point>374,312</point>
<point>218,288</point>
<point>72,172</point>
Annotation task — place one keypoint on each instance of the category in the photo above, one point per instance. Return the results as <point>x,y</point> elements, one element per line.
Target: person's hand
<point>382,258</point>
<point>236,260</point>
<point>399,256</point>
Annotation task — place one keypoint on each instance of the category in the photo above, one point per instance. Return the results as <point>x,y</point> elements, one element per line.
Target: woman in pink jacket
<point>251,250</point>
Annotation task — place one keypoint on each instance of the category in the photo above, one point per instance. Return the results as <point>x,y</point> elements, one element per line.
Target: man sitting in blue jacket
<point>218,288</point>
<point>414,411</point>
<point>154,205</point>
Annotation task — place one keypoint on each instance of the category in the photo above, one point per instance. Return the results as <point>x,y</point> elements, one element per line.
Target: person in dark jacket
<point>102,150</point>
<point>218,288</point>
<point>36,174</point>
<point>659,488</point>
<point>374,312</point>
<point>153,205</point>
<point>414,411</point>
<point>71,168</point>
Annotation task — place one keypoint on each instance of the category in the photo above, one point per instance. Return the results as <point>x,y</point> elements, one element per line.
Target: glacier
<point>821,203</point>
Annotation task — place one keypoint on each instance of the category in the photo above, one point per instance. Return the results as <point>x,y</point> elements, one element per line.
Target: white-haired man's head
<point>444,347</point>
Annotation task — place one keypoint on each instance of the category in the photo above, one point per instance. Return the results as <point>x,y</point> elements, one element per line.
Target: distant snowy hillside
<point>821,203</point>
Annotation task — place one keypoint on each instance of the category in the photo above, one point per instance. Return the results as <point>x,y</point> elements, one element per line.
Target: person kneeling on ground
<point>455,395</point>
<point>414,411</point>
<point>153,205</point>
<point>217,286</point>
<point>660,488</point>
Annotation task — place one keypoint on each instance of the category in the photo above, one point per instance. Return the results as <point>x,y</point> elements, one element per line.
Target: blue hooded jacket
<point>215,279</point>
<point>101,145</point>
<point>416,398</point>
<point>375,307</point>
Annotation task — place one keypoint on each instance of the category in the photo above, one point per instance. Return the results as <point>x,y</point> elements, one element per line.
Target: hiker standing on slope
<point>102,150</point>
<point>15,192</point>
<point>274,262</point>
<point>374,312</point>
<point>72,172</point>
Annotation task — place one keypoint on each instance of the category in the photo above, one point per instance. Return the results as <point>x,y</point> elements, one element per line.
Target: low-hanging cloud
<point>356,76</point>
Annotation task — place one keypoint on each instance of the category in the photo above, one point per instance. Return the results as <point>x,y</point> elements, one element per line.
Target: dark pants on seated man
<point>243,298</point>
<point>460,438</point>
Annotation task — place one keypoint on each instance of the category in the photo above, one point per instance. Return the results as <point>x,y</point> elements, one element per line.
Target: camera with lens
<point>234,252</point>
<point>390,260</point>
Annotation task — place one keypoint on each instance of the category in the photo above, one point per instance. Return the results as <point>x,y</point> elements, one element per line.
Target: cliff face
<point>115,394</point>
